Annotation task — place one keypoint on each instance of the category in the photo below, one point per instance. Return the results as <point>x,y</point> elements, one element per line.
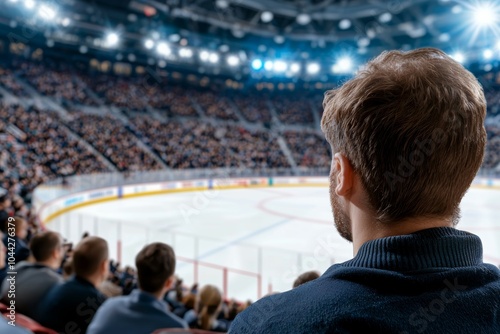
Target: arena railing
<point>72,184</point>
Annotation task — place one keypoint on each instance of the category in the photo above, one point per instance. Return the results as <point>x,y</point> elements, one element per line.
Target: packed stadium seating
<point>186,124</point>
<point>110,123</point>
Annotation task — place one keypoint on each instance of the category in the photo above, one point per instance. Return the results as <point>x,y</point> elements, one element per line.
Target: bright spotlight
<point>29,4</point>
<point>204,55</point>
<point>487,54</point>
<point>313,68</point>
<point>280,66</point>
<point>185,52</point>
<point>257,64</point>
<point>266,17</point>
<point>485,15</point>
<point>13,1</point>
<point>163,49</point>
<point>343,65</point>
<point>47,12</point>
<point>66,21</point>
<point>233,60</point>
<point>213,58</point>
<point>112,39</point>
<point>149,44</point>
<point>458,56</point>
<point>268,65</point>
<point>295,67</point>
<point>345,24</point>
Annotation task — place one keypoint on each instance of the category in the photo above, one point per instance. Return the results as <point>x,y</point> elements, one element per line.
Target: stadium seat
<point>26,322</point>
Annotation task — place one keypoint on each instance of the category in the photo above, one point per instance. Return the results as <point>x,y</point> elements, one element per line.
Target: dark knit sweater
<point>431,281</point>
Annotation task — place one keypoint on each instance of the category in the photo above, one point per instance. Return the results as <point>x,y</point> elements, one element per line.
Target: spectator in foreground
<point>70,307</point>
<point>408,135</point>
<point>305,277</point>
<point>208,306</point>
<point>34,280</point>
<point>143,311</point>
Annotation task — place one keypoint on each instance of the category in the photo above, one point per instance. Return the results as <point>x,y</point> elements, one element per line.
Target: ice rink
<point>247,241</point>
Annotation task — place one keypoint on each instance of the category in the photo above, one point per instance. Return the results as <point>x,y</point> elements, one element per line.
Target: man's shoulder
<point>311,306</point>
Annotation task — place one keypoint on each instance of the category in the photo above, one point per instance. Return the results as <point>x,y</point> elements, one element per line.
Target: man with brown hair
<point>407,135</point>
<point>143,311</point>
<point>34,280</point>
<point>70,307</point>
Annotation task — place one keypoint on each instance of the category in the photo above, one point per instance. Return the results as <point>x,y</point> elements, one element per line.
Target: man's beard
<point>341,219</point>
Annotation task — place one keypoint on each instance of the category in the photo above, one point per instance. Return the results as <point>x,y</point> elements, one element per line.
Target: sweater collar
<point>426,249</point>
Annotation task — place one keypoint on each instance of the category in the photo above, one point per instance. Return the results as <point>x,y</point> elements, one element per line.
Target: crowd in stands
<point>293,110</point>
<point>216,105</point>
<point>8,81</point>
<point>120,92</point>
<point>60,84</point>
<point>253,110</point>
<point>45,149</point>
<point>255,149</point>
<point>114,141</point>
<point>42,150</point>
<point>492,154</point>
<point>309,149</point>
<point>177,143</point>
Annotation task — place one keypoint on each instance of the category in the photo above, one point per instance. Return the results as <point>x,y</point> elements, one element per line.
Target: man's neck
<point>94,280</point>
<point>49,263</point>
<point>365,229</point>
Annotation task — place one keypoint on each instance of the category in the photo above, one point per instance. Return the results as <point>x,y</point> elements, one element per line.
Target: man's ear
<point>344,174</point>
<point>169,282</point>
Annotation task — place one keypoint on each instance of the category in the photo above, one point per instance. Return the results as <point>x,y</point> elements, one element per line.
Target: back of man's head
<point>20,226</point>
<point>89,255</point>
<point>305,277</point>
<point>412,126</point>
<point>155,265</point>
<point>43,245</point>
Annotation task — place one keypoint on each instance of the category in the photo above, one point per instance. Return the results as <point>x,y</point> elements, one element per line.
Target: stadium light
<point>345,24</point>
<point>313,68</point>
<point>233,60</point>
<point>66,21</point>
<point>47,12</point>
<point>295,67</point>
<point>163,49</point>
<point>280,66</point>
<point>385,17</point>
<point>487,54</point>
<point>29,4</point>
<point>257,64</point>
<point>458,56</point>
<point>213,58</point>
<point>185,52</point>
<point>269,65</point>
<point>13,1</point>
<point>266,16</point>
<point>149,44</point>
<point>343,65</point>
<point>485,15</point>
<point>112,39</point>
<point>204,55</point>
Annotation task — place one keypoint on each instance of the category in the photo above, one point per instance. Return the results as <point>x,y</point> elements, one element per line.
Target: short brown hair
<point>42,245</point>
<point>305,277</point>
<point>412,126</point>
<point>155,265</point>
<point>89,255</point>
